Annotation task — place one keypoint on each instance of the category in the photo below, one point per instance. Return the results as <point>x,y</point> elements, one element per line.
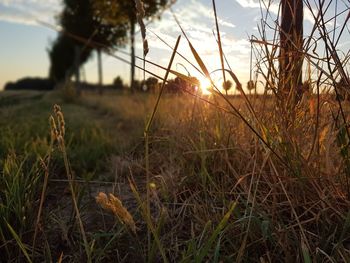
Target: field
<point>203,183</point>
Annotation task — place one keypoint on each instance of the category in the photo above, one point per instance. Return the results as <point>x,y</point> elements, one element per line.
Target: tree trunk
<point>99,62</point>
<point>132,61</point>
<point>291,43</point>
<point>77,52</point>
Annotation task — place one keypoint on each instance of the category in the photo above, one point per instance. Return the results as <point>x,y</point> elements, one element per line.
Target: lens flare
<point>205,86</point>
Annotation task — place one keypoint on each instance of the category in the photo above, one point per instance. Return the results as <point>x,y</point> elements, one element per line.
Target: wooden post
<point>132,65</point>
<point>77,52</point>
<point>100,77</point>
<point>291,43</point>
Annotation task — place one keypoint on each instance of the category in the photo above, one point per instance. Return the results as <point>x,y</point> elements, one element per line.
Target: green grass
<point>25,144</point>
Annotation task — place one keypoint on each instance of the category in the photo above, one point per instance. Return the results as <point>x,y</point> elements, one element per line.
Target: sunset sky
<point>24,41</point>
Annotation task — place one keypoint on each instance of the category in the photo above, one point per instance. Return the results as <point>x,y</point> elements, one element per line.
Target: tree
<point>83,30</point>
<point>128,8</point>
<point>62,56</point>
<point>152,84</point>
<point>118,83</point>
<point>111,31</point>
<point>291,42</point>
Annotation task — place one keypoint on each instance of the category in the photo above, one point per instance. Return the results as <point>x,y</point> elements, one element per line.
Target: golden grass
<point>201,158</point>
<point>114,205</point>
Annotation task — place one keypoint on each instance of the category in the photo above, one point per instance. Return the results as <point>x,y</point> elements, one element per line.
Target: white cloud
<point>198,14</point>
<point>225,23</point>
<point>273,7</point>
<point>240,46</point>
<point>18,18</point>
<point>249,3</point>
<point>198,22</point>
<point>29,11</point>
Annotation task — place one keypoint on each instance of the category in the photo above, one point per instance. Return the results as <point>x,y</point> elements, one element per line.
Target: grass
<point>201,160</point>
<point>26,149</point>
<point>181,178</point>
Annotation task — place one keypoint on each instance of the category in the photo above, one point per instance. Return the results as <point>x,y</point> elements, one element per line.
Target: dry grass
<point>202,158</point>
<point>214,159</point>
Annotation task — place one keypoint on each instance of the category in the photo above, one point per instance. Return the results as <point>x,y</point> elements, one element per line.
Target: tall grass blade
<point>205,250</point>
<point>148,220</point>
<point>305,252</point>
<point>219,44</point>
<point>19,242</point>
<point>199,60</point>
<point>146,135</point>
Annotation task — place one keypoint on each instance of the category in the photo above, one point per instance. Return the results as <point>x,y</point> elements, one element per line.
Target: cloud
<point>18,18</point>
<point>273,7</point>
<point>225,23</point>
<point>249,3</point>
<point>29,11</point>
<point>198,21</point>
<point>200,15</point>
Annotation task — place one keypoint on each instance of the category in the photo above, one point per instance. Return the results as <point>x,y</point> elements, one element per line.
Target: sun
<point>205,86</point>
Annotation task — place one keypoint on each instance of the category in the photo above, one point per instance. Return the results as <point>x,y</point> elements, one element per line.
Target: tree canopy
<point>128,8</point>
<point>84,29</point>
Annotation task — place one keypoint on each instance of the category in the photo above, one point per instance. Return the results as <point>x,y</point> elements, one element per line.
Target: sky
<point>25,41</point>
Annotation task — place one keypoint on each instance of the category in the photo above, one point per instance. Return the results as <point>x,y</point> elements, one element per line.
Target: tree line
<point>95,25</point>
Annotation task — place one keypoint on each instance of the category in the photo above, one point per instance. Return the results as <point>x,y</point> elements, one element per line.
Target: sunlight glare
<point>205,86</point>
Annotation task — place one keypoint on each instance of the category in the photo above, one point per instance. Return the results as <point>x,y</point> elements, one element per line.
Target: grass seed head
<point>57,126</point>
<point>53,128</point>
<point>140,14</point>
<point>61,123</point>
<point>56,108</point>
<point>60,119</point>
<point>114,205</point>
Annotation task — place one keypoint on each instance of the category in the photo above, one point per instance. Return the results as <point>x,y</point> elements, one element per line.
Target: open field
<point>217,193</point>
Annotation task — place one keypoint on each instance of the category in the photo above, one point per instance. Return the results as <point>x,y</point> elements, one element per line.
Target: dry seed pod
<point>102,200</point>
<point>56,108</point>
<point>61,122</point>
<point>140,14</point>
<point>114,205</point>
<point>60,141</point>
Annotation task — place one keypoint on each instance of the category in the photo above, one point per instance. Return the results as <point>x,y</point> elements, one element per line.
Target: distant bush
<point>152,84</point>
<point>178,85</point>
<point>30,84</point>
<point>137,85</point>
<point>118,83</point>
